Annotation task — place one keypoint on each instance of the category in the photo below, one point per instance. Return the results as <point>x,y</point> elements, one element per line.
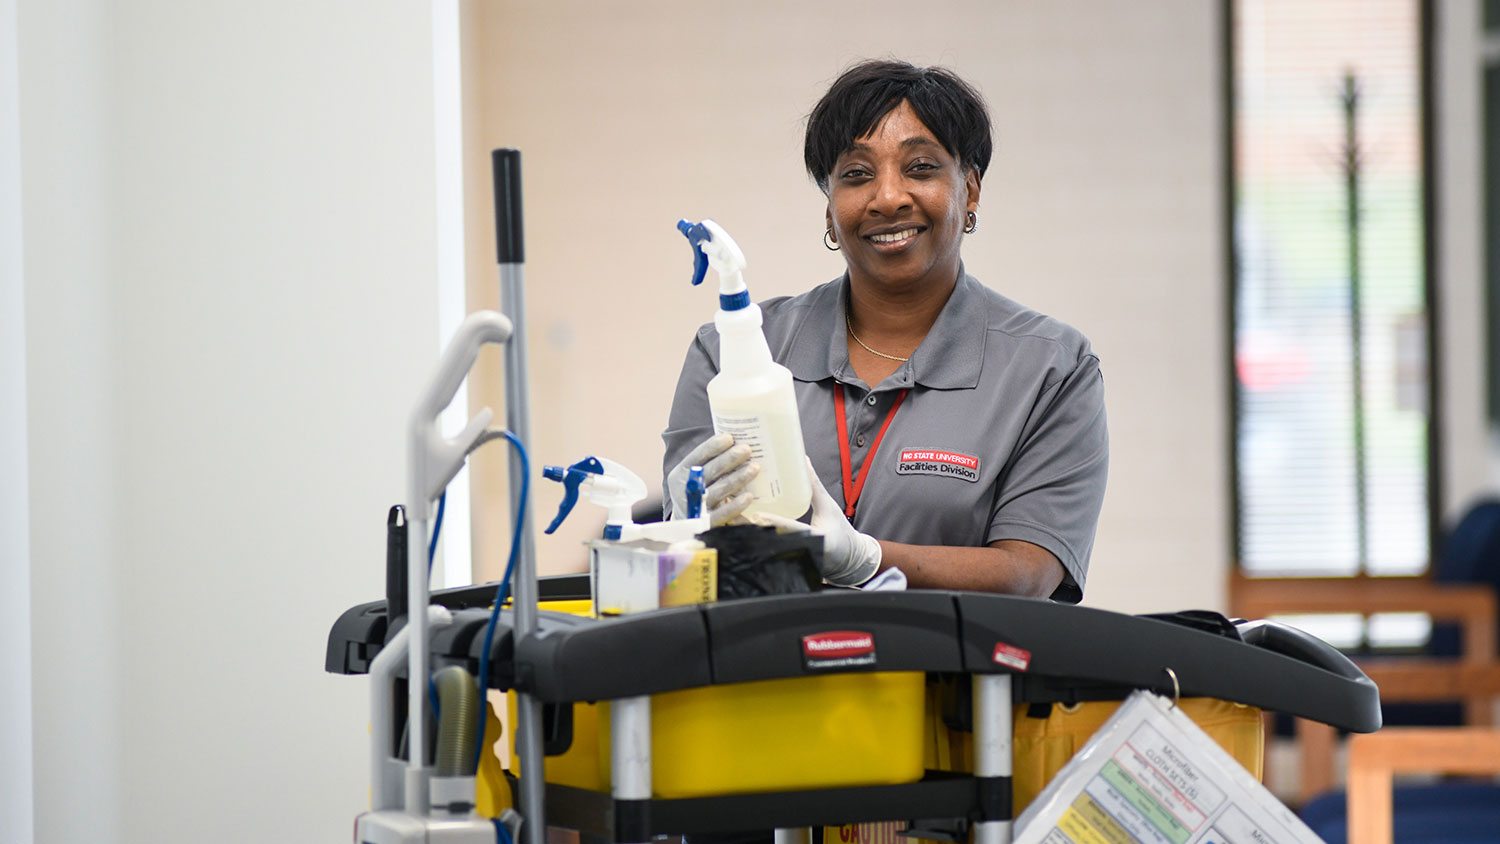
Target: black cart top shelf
<point>1056,652</point>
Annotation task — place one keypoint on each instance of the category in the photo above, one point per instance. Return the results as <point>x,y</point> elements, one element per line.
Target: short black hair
<point>864,94</point>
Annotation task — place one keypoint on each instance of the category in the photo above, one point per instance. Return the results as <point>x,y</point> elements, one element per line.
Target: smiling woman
<point>898,204</point>
<point>960,435</point>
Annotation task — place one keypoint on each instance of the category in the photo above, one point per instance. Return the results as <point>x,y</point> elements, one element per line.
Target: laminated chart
<point>1150,775</point>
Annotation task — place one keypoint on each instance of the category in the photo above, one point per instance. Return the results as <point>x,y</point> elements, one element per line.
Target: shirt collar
<point>950,357</point>
<point>820,350</point>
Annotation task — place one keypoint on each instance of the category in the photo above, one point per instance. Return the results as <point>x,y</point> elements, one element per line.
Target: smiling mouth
<point>896,237</point>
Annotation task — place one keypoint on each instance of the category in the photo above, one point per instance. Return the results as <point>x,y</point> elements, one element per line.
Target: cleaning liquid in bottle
<point>751,398</point>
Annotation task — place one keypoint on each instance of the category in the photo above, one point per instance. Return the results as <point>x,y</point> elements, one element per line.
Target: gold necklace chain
<point>850,324</point>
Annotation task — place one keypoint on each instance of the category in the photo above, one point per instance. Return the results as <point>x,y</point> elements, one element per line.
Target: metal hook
<point>1176,689</point>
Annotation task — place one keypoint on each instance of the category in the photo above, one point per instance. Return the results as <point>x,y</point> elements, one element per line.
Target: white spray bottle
<point>615,488</point>
<point>751,398</point>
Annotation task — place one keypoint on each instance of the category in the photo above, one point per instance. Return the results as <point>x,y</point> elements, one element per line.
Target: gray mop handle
<point>512,253</point>
<point>511,250</point>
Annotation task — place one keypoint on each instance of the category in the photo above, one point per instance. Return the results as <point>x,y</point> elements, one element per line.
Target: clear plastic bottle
<point>752,398</point>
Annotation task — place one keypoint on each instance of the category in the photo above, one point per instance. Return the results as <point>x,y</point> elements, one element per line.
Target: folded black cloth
<point>755,560</point>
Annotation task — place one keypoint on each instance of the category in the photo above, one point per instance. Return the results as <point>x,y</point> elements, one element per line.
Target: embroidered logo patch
<point>933,461</point>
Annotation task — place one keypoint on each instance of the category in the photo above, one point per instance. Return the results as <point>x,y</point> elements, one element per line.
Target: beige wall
<point>1102,207</point>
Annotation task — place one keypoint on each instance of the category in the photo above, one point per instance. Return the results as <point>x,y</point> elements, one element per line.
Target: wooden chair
<point>1375,758</point>
<point>1473,678</point>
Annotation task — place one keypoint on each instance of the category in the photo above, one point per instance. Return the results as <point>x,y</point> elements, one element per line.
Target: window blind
<point>1330,312</point>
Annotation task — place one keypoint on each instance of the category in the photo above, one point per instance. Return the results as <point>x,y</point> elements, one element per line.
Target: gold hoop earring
<point>973,222</point>
<point>828,242</point>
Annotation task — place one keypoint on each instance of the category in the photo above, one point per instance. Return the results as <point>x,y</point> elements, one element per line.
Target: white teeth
<point>893,236</point>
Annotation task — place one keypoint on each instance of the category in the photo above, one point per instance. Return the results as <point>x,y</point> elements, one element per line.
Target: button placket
<point>865,417</point>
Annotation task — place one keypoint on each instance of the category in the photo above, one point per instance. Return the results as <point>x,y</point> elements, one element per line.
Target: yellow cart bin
<point>820,731</point>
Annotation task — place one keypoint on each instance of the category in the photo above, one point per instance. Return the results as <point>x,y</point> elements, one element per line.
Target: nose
<point>891,196</point>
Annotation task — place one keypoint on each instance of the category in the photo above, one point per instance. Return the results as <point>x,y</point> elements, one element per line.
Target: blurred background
<point>234,237</point>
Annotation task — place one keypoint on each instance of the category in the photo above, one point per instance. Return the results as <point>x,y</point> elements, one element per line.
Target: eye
<point>853,172</point>
<point>923,165</point>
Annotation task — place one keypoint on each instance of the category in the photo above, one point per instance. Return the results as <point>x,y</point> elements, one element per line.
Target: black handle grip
<point>507,164</point>
<point>1300,645</point>
<point>395,565</point>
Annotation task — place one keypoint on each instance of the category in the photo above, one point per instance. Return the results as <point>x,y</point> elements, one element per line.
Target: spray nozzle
<point>696,235</point>
<point>571,478</point>
<point>713,246</point>
<point>604,482</point>
<point>695,492</point>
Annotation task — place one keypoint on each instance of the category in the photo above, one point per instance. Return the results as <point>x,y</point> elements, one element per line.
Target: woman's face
<point>897,203</point>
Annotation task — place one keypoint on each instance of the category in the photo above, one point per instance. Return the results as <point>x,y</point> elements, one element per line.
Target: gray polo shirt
<point>1001,436</point>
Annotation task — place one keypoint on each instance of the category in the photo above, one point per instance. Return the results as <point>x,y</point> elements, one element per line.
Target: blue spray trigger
<point>571,478</point>
<point>697,234</point>
<point>695,492</point>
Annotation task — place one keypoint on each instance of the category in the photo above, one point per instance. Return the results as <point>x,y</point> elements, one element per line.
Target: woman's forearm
<point>1009,566</point>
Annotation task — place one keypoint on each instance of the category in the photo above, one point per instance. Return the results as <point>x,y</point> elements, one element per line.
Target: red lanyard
<point>852,486</point>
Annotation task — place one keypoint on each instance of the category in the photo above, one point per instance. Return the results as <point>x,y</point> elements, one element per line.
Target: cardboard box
<point>632,577</point>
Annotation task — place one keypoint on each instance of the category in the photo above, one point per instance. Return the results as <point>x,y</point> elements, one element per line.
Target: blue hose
<point>501,594</point>
<point>437,528</point>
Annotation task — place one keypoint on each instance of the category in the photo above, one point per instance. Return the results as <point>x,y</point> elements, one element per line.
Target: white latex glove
<point>727,470</point>
<point>849,557</point>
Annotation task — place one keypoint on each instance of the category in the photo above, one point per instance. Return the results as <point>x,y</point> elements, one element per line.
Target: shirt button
<point>871,400</point>
<point>859,440</point>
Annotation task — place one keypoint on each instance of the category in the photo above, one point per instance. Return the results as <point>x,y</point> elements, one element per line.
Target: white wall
<point>78,632</point>
<point>1102,207</point>
<point>15,572</point>
<point>229,212</point>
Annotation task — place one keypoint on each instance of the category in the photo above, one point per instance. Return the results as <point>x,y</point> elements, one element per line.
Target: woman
<point>974,449</point>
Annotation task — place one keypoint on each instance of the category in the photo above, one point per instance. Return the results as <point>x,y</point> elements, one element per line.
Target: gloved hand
<point>849,557</point>
<point>727,470</point>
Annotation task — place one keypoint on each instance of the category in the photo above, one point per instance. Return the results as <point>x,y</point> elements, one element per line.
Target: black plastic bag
<point>756,560</point>
<point>1207,621</point>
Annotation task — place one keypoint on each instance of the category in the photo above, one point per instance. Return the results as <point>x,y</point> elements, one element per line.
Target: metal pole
<point>630,751</point>
<point>1351,163</point>
<point>416,796</point>
<point>512,255</point>
<point>518,420</point>
<point>992,745</point>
